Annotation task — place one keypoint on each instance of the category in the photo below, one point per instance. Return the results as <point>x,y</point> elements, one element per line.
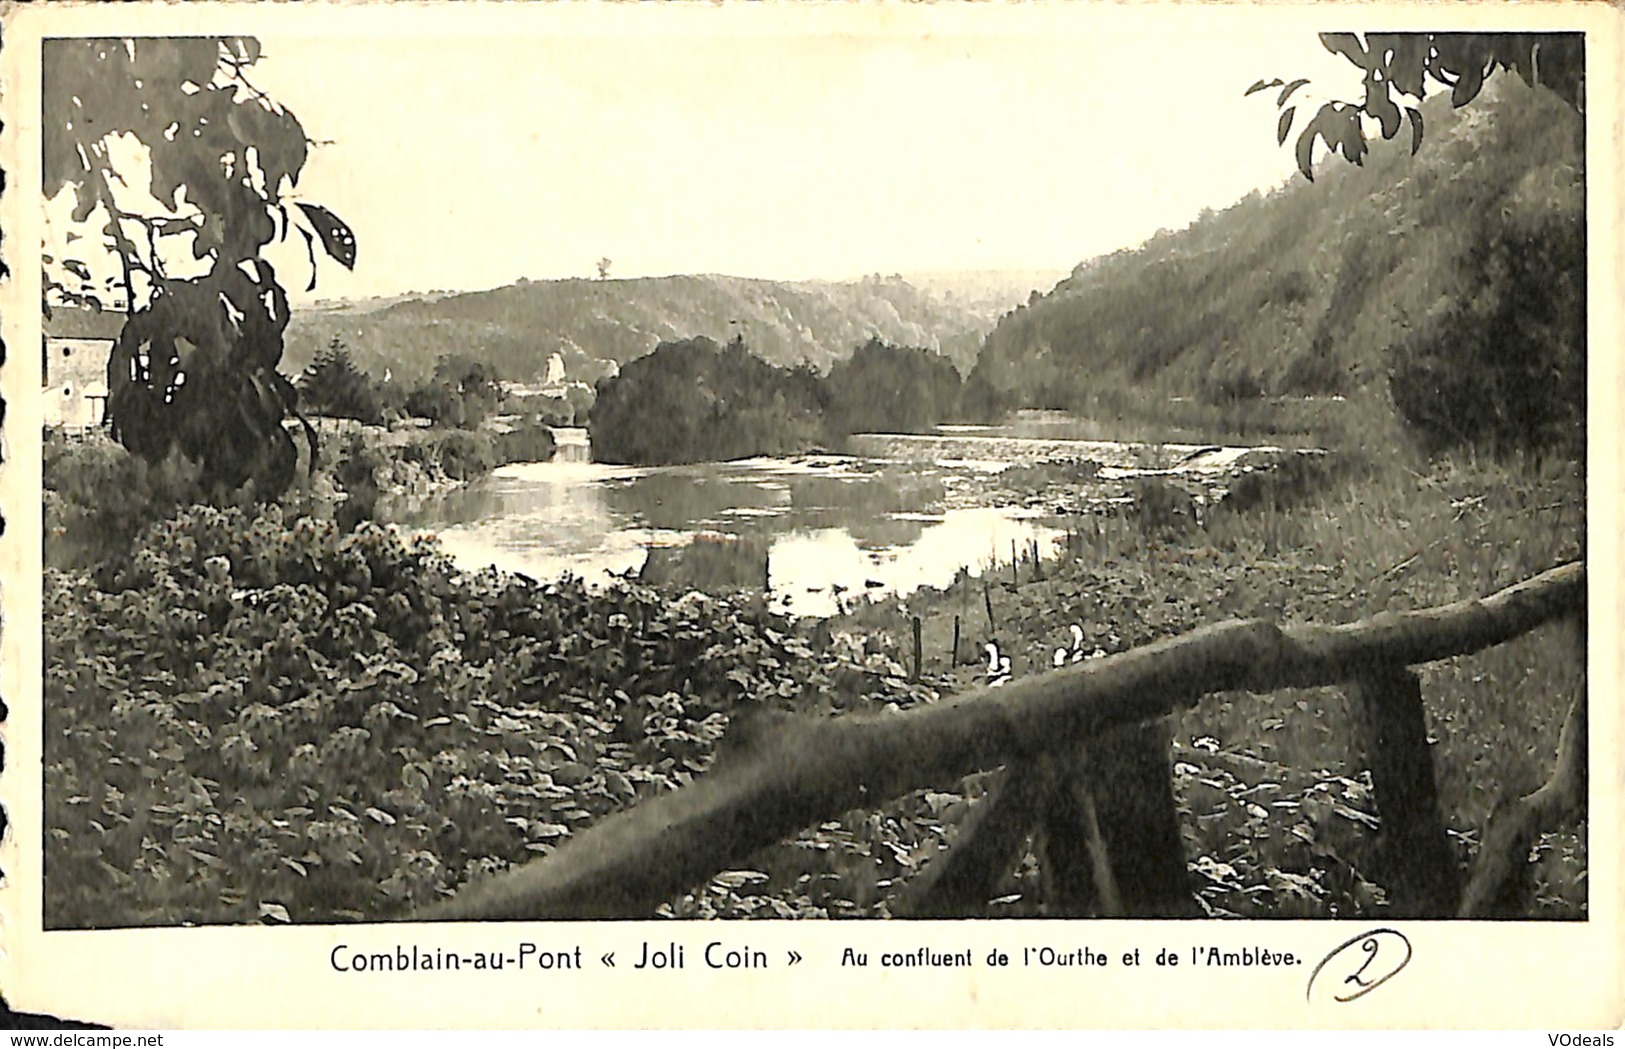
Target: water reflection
<point>818,530</point>
<point>910,511</point>
<point>812,573</point>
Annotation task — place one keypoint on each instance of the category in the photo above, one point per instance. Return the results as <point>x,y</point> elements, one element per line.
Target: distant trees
<point>461,393</point>
<point>694,400</point>
<point>334,386</point>
<point>891,388</point>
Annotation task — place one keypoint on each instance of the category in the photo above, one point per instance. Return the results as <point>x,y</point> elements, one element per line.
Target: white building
<point>73,375</point>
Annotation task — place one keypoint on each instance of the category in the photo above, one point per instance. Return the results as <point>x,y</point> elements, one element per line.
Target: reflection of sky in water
<point>870,526</point>
<point>823,521</point>
<point>805,567</point>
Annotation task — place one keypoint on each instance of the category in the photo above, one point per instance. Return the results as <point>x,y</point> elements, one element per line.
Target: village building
<point>73,367</point>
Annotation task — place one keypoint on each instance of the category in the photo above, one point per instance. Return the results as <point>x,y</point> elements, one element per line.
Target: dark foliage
<point>194,370</point>
<point>334,386</point>
<point>1501,361</point>
<point>461,393</point>
<point>1407,63</point>
<point>693,401</point>
<point>892,389</point>
<point>187,377</point>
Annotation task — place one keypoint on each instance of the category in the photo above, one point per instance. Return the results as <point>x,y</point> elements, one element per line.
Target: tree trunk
<point>1419,867</point>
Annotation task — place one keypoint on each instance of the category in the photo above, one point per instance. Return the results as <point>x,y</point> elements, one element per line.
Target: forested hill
<point>519,327</point>
<point>1437,269</point>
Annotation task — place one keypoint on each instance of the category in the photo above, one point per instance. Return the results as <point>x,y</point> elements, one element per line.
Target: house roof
<point>70,322</point>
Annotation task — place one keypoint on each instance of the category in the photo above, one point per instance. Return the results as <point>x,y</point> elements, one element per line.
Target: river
<point>816,530</point>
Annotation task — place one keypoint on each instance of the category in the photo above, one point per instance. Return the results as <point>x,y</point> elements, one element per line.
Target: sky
<point>823,141</point>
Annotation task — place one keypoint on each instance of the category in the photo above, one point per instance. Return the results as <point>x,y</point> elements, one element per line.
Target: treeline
<point>1446,288</point>
<point>695,401</point>
<point>460,392</point>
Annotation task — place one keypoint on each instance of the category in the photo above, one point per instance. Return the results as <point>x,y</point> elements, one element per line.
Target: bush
<point>259,715</point>
<point>891,389</point>
<point>333,386</point>
<point>1500,360</point>
<point>98,497</point>
<point>462,393</point>
<point>530,442</point>
<point>695,401</point>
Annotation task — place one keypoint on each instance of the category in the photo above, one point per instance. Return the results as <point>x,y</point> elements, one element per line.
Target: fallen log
<point>809,769</point>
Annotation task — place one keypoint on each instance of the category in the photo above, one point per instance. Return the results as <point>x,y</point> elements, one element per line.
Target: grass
<point>1393,535</point>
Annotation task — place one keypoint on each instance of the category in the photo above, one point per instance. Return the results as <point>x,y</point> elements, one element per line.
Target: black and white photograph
<point>988,468</point>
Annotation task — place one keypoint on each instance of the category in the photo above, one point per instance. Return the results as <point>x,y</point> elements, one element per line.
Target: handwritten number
<point>1391,944</point>
<point>1370,947</point>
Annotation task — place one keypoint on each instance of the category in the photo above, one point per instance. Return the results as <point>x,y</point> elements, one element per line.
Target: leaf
<point>1286,92</point>
<point>1345,132</point>
<point>1416,129</point>
<point>310,252</point>
<point>737,879</point>
<point>1381,105</point>
<point>337,239</point>
<point>1410,59</point>
<point>243,49</point>
<point>1306,145</point>
<point>1261,86</point>
<point>1345,44</point>
<point>1284,125</point>
<point>295,866</point>
<point>1468,86</point>
<point>380,816</point>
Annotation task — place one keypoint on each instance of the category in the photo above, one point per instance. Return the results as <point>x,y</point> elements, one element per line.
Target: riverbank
<point>412,460</point>
<point>1394,539</point>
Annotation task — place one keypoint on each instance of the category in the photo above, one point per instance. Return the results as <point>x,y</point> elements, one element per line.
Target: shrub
<point>891,389</point>
<point>98,497</point>
<point>259,714</point>
<point>1500,359</point>
<point>694,401</point>
<point>530,442</point>
<point>332,385</point>
<point>462,393</point>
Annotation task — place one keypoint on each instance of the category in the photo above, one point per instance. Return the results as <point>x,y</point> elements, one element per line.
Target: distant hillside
<point>990,292</point>
<point>1310,289</point>
<point>519,327</point>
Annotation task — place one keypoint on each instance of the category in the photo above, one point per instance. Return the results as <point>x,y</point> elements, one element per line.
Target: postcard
<point>802,515</point>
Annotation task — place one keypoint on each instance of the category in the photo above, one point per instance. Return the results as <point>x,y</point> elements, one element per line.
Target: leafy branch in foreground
<point>1408,63</point>
<point>182,171</point>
